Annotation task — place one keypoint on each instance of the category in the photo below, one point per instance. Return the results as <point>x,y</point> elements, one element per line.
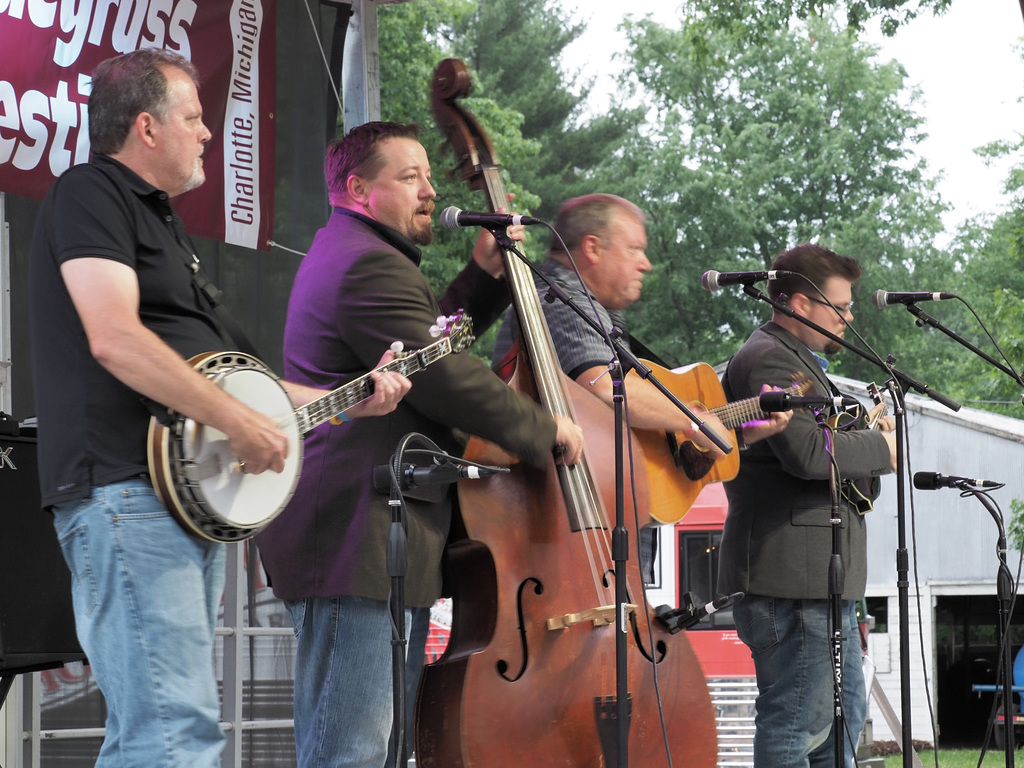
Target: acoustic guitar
<point>677,471</point>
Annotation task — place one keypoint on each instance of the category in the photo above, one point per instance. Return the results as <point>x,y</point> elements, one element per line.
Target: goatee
<point>423,236</point>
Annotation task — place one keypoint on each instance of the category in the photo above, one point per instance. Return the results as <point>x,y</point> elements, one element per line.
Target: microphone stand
<point>1004,592</point>
<point>397,558</point>
<point>1004,581</point>
<point>923,318</point>
<point>902,559</point>
<point>620,536</point>
<point>620,556</point>
<point>836,585</point>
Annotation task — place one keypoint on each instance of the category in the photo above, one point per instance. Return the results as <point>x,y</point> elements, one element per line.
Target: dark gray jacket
<point>777,539</point>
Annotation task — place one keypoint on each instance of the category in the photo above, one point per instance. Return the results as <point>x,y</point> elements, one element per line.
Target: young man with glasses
<point>777,540</point>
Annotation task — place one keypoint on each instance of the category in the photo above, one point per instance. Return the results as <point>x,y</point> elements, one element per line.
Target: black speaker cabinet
<point>37,627</point>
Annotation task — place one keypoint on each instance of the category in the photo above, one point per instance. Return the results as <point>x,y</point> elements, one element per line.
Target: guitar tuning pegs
<point>397,347</point>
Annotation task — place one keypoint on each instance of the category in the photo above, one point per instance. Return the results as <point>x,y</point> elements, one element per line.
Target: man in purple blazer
<point>358,288</point>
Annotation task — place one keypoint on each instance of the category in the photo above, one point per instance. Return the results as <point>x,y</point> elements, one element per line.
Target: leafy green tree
<point>414,38</point>
<point>763,20</point>
<point>992,252</point>
<point>753,149</point>
<point>515,48</point>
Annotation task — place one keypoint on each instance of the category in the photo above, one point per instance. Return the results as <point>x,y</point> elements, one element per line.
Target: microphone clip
<point>691,611</point>
<point>677,619</point>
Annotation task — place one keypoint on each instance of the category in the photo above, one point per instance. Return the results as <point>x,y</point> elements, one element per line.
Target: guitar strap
<point>211,296</point>
<point>641,350</point>
<point>859,491</point>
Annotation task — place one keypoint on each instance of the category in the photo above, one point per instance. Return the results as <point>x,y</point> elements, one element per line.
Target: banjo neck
<point>326,407</point>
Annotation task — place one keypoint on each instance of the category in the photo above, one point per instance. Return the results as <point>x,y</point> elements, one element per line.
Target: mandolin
<point>862,491</point>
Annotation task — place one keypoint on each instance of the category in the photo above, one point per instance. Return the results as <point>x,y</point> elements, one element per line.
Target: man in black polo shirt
<point>115,314</point>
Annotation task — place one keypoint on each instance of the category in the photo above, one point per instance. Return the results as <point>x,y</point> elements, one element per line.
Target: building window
<point>698,574</point>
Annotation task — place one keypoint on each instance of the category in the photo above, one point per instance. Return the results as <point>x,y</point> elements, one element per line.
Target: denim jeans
<point>343,693</point>
<point>145,598</point>
<point>790,643</point>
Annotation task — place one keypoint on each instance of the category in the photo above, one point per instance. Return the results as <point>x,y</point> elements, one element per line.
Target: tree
<point>515,49</point>
<point>748,150</point>
<point>992,252</point>
<point>414,38</point>
<point>761,21</point>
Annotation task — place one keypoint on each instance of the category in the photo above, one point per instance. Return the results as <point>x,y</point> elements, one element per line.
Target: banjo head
<point>221,502</point>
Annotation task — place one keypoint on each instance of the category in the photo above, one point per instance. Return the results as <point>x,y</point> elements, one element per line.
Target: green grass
<point>957,758</point>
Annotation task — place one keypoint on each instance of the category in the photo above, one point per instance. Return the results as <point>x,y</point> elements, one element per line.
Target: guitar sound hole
<point>694,463</point>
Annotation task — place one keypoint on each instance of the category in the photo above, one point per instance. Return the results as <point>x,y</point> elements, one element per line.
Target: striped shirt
<point>577,345</point>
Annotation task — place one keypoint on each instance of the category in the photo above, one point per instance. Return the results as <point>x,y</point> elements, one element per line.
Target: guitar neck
<point>734,415</point>
<point>325,408</point>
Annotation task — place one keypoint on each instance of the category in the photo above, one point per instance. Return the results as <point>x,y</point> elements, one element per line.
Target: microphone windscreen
<point>926,481</point>
<point>450,217</point>
<point>709,280</point>
<point>770,402</point>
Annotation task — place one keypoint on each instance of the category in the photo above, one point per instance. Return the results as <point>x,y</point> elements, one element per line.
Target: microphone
<point>678,619</point>
<point>930,481</point>
<point>770,402</point>
<point>453,218</point>
<point>882,299</point>
<point>712,280</point>
<point>443,473</point>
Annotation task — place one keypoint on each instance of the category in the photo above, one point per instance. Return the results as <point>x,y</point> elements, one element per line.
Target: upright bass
<point>529,675</point>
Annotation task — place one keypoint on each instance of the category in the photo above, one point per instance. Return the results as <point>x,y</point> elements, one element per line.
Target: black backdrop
<point>256,283</point>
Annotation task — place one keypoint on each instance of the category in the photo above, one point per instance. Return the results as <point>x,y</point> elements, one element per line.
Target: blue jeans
<point>343,694</point>
<point>145,598</point>
<point>790,643</point>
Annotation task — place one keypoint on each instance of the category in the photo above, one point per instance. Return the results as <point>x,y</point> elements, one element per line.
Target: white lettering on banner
<point>32,114</point>
<point>42,13</point>
<point>137,24</point>
<point>126,33</point>
<point>74,18</point>
<point>13,8</point>
<point>241,134</point>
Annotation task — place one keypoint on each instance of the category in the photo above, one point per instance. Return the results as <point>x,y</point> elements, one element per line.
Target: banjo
<point>202,484</point>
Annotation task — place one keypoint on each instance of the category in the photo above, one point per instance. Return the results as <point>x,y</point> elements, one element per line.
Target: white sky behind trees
<point>967,64</point>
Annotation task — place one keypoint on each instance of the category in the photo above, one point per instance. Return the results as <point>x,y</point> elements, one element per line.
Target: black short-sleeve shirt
<point>92,428</point>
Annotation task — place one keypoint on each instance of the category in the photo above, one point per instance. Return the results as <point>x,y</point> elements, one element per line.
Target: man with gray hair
<point>607,238</point>
<point>117,309</point>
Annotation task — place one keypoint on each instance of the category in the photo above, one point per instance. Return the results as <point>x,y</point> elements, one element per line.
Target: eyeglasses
<point>842,309</point>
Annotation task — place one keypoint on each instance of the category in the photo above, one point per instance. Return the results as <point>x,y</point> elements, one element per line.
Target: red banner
<point>50,47</point>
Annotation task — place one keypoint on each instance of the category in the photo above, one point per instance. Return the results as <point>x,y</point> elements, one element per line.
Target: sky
<point>965,63</point>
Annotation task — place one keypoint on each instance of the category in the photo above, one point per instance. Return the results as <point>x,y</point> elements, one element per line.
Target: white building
<point>951,542</point>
